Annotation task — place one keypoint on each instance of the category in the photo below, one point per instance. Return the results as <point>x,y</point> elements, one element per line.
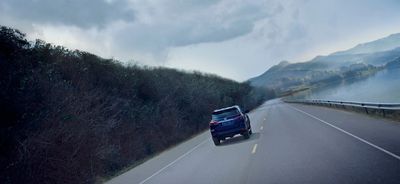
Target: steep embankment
<point>73,117</point>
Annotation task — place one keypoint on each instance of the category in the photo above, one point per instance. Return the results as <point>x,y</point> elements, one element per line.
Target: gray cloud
<point>243,37</point>
<point>182,23</point>
<point>81,13</point>
<point>296,31</point>
<point>158,25</point>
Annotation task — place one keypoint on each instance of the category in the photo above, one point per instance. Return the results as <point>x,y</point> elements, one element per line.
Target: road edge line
<point>176,160</point>
<point>348,133</point>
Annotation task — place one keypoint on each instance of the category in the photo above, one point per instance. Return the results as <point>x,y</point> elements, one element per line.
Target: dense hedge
<point>73,117</point>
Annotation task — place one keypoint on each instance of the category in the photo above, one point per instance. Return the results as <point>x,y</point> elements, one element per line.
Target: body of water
<point>383,87</point>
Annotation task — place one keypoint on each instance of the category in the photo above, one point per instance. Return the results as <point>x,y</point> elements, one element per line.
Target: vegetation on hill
<point>73,117</point>
<point>287,78</point>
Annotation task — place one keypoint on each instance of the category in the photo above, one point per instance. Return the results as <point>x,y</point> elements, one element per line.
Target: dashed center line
<point>254,149</point>
<point>261,128</point>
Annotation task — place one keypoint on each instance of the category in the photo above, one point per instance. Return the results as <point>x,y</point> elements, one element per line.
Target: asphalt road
<point>291,143</point>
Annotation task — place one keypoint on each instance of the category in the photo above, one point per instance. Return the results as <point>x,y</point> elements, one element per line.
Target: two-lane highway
<point>291,143</point>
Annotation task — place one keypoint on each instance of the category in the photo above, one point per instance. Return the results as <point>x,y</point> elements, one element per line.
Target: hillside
<point>395,64</point>
<point>358,62</point>
<point>73,117</point>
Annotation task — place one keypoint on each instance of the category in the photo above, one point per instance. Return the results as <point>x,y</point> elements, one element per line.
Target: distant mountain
<point>383,44</point>
<point>359,61</point>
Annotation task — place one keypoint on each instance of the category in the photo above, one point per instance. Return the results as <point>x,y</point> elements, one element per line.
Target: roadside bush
<point>73,117</point>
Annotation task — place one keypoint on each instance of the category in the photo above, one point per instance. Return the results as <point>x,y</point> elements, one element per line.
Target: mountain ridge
<point>383,44</point>
<point>370,56</point>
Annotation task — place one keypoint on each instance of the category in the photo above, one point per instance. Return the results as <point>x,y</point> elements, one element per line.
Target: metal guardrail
<point>391,110</point>
<point>388,106</point>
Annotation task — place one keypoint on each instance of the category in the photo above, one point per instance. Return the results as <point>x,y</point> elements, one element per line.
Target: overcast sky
<point>237,39</point>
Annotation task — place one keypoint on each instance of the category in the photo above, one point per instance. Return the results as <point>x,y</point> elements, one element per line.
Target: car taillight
<point>213,122</point>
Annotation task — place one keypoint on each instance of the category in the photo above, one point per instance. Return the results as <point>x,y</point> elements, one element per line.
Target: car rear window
<point>225,114</point>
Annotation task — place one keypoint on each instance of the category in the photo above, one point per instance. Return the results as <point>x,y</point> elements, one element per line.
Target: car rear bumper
<point>228,133</point>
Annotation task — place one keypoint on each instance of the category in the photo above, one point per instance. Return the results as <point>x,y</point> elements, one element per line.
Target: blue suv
<point>228,122</point>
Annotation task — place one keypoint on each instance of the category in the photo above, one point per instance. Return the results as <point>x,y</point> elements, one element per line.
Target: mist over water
<point>383,87</point>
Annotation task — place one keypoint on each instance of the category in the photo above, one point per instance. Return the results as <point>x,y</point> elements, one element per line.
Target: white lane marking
<point>254,149</point>
<point>261,128</point>
<point>265,119</point>
<point>176,160</point>
<point>352,135</point>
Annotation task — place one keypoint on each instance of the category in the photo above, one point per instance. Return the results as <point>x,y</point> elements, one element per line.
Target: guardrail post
<point>366,110</point>
<point>383,112</point>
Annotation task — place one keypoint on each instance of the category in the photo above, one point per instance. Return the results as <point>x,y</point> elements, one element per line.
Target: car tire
<point>250,131</point>
<point>246,134</point>
<point>216,141</point>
